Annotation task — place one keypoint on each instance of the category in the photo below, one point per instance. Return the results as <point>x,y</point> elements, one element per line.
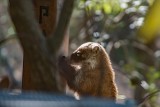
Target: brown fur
<point>89,72</point>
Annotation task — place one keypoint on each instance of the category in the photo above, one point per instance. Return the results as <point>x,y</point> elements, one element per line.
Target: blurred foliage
<point>128,29</point>
<point>107,6</point>
<point>10,52</point>
<point>151,24</point>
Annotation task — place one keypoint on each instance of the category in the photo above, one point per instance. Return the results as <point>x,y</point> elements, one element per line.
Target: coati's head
<point>87,53</point>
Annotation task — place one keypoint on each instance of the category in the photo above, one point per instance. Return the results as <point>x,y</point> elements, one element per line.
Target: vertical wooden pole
<point>46,13</point>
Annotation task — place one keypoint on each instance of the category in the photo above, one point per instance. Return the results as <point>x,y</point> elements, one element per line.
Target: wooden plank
<point>46,13</point>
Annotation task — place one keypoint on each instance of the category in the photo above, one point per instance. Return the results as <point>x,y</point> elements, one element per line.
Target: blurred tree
<point>114,24</point>
<point>151,26</point>
<point>40,53</point>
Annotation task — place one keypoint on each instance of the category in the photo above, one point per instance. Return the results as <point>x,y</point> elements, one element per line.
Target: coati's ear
<point>95,49</point>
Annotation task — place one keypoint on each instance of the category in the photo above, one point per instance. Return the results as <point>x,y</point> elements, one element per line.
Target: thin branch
<point>4,40</point>
<point>56,39</point>
<point>148,97</point>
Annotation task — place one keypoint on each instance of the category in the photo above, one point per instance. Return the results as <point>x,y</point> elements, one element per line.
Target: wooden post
<point>46,13</point>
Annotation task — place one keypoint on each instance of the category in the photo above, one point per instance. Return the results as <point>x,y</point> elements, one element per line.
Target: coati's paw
<point>63,64</point>
<point>62,60</point>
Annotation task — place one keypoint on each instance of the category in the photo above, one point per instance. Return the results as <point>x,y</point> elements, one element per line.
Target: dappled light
<point>35,35</point>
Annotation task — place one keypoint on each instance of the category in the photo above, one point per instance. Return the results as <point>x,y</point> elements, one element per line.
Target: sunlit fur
<point>95,75</point>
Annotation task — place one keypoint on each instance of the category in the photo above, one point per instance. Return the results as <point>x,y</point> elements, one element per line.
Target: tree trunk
<point>46,13</point>
<point>39,71</point>
<point>39,66</point>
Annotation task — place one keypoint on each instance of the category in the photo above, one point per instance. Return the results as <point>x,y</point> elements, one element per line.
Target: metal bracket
<point>43,12</point>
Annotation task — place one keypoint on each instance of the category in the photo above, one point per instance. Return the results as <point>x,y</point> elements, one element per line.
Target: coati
<point>89,72</point>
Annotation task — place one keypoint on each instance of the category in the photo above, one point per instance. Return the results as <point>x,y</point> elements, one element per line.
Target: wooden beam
<point>46,13</point>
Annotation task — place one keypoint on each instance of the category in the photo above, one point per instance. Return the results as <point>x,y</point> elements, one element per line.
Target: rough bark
<point>39,71</point>
<point>46,14</point>
<point>39,65</point>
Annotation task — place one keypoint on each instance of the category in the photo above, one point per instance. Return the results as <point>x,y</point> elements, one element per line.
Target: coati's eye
<point>78,53</point>
<point>81,55</point>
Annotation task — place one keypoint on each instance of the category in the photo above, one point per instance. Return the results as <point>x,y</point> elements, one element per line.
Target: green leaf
<point>107,8</point>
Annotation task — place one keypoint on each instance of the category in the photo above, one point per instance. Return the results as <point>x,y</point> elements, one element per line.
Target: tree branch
<point>56,39</point>
<point>146,98</point>
<point>23,17</point>
<point>4,40</point>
